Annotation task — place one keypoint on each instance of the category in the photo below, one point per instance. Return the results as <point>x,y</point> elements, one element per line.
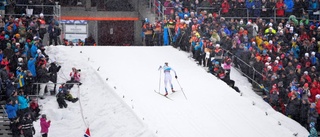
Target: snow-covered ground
<point>118,98</point>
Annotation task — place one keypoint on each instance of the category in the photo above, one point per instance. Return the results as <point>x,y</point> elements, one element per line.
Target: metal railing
<point>253,77</point>
<point>249,13</point>
<point>249,68</point>
<point>158,9</point>
<point>55,13</point>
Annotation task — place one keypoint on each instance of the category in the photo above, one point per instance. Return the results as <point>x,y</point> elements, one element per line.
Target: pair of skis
<point>166,96</point>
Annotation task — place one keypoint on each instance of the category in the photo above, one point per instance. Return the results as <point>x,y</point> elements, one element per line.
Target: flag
<point>87,134</point>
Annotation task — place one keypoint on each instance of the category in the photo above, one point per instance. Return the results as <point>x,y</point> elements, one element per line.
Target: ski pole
<point>181,89</point>
<point>159,81</point>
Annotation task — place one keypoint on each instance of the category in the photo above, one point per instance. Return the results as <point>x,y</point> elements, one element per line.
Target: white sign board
<point>76,36</point>
<point>75,28</point>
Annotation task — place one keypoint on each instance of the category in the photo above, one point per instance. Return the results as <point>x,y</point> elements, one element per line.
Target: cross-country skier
<point>167,76</point>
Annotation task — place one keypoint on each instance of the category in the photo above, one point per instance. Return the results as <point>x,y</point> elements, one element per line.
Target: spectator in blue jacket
<point>313,6</point>
<point>288,7</point>
<point>257,8</point>
<point>32,65</point>
<point>34,47</point>
<point>250,7</point>
<point>23,103</point>
<point>11,109</point>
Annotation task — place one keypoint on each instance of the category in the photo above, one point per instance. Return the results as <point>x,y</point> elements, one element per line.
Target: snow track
<point>119,101</point>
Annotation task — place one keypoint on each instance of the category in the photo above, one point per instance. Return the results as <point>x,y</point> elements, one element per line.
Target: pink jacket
<point>75,75</point>
<point>226,66</point>
<point>44,125</point>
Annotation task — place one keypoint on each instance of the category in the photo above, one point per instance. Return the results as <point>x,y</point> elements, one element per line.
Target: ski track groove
<point>219,118</point>
<point>193,123</point>
<point>238,111</point>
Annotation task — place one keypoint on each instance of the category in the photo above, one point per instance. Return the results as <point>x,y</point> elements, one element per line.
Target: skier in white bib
<point>167,76</point>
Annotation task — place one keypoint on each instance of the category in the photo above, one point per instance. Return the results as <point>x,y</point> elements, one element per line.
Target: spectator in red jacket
<point>280,8</point>
<point>225,6</point>
<point>314,91</point>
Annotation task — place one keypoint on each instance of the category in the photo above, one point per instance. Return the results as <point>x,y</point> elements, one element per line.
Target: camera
<point>79,70</point>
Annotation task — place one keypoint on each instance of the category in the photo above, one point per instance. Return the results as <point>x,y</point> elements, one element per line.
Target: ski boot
<point>173,90</point>
<point>74,100</point>
<point>166,94</point>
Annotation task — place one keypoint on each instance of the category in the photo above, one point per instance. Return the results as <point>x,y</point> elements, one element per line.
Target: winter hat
<point>306,85</point>
<point>36,38</point>
<point>258,58</point>
<point>298,66</point>
<point>313,53</point>
<point>41,15</point>
<point>291,28</point>
<point>38,51</point>
<point>306,54</point>
<point>217,45</point>
<point>20,59</point>
<point>17,35</point>
<point>267,64</point>
<point>16,50</point>
<point>318,96</point>
<point>274,86</point>
<point>44,116</point>
<point>269,58</point>
<point>313,105</point>
<point>264,52</point>
<point>305,72</point>
<point>269,67</point>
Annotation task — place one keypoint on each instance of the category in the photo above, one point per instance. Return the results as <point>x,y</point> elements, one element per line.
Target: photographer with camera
<point>75,77</point>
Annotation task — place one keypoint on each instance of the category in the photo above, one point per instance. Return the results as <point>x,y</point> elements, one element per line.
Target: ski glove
<point>159,67</point>
<point>176,77</point>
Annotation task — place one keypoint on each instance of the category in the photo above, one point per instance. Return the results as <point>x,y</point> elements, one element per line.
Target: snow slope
<point>118,98</point>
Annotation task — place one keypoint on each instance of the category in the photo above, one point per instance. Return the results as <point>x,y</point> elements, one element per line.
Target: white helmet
<point>269,67</point>
<point>306,54</point>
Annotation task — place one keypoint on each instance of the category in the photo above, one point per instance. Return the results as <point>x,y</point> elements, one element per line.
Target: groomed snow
<point>118,98</point>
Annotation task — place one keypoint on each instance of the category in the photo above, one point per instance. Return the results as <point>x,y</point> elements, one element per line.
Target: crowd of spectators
<point>244,8</point>
<point>25,68</point>
<point>280,57</point>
